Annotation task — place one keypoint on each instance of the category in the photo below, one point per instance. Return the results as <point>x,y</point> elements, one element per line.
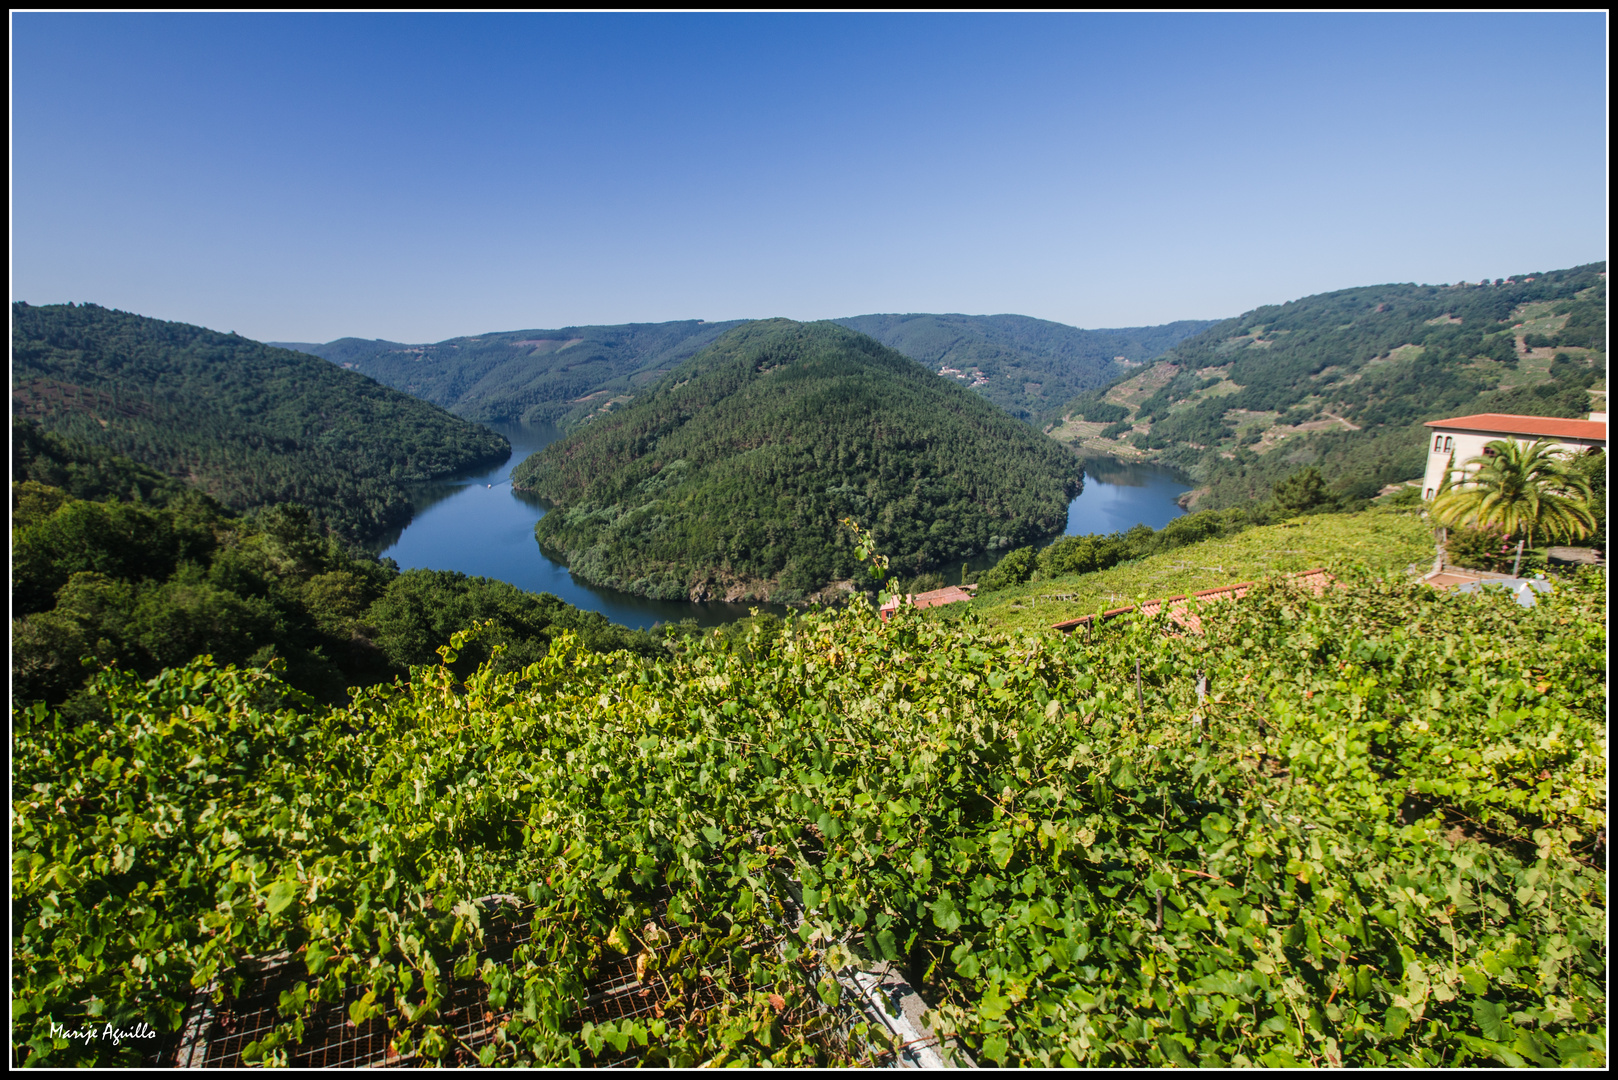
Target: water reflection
<point>477,524</point>
<point>1118,495</point>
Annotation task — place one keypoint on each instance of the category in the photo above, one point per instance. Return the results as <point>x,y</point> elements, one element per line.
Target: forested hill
<point>1344,380</point>
<point>1028,367</point>
<point>543,376</point>
<point>247,423</point>
<point>730,476</point>
<point>113,561</point>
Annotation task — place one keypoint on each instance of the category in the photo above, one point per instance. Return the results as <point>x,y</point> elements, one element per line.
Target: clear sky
<point>417,177</point>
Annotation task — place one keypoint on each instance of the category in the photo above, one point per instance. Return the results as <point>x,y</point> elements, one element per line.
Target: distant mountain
<point>729,477</point>
<point>1028,367</point>
<point>248,423</point>
<point>1344,380</point>
<point>548,376</point>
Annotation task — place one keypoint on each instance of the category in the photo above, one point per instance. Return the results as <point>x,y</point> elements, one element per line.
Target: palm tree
<point>1526,490</point>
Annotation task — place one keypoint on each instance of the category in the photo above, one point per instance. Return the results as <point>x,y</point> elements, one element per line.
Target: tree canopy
<point>119,565</point>
<point>248,424</point>
<point>734,472</point>
<point>1342,381</point>
<point>1526,490</point>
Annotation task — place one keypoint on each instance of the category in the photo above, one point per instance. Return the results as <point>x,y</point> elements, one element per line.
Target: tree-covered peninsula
<point>247,424</point>
<point>730,476</point>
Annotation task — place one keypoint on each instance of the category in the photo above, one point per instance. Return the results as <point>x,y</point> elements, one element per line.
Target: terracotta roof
<point>950,594</point>
<point>1527,425</point>
<point>1179,607</point>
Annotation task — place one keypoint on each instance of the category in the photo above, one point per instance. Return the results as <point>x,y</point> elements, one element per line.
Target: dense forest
<point>115,563</point>
<point>249,424</point>
<point>1028,367</point>
<point>731,475</point>
<point>1344,380</point>
<point>536,376</point>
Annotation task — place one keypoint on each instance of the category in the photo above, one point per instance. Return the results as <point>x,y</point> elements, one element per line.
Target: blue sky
<point>417,177</point>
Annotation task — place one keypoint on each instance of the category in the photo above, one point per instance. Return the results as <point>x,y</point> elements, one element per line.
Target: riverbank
<point>478,525</point>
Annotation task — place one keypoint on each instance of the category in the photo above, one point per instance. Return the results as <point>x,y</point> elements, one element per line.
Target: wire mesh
<point>215,1035</point>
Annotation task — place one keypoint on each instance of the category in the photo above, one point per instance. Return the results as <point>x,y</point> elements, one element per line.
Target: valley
<point>1116,497</point>
<point>793,539</point>
<point>1082,849</point>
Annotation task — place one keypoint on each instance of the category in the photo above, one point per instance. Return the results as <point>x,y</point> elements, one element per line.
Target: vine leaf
<point>282,894</point>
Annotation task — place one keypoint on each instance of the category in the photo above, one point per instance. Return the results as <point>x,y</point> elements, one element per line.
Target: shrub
<point>1014,569</point>
<point>1478,549</point>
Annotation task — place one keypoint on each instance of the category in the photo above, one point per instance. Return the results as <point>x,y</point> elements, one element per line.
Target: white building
<point>1465,437</point>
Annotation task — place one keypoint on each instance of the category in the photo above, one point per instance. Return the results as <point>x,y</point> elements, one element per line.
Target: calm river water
<point>476,524</point>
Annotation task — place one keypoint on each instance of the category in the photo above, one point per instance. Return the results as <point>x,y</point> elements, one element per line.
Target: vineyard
<point>1360,830</point>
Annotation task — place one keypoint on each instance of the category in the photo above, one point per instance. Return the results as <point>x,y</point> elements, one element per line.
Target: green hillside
<point>1365,830</point>
<point>1387,541</point>
<point>1028,367</point>
<point>538,376</point>
<point>1343,381</point>
<point>730,476</point>
<point>112,562</point>
<point>247,423</point>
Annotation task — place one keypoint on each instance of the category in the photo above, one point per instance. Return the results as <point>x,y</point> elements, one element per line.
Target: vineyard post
<point>1140,698</point>
<point>1202,694</point>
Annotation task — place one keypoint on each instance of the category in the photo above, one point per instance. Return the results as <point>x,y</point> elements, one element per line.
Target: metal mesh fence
<point>214,1035</point>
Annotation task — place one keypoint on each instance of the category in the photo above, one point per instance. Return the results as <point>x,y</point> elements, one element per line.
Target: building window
<point>1448,442</point>
<point>1438,443</point>
<point>1429,493</point>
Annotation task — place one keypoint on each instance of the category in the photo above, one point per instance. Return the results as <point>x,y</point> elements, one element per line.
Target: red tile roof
<point>1179,607</point>
<point>950,594</point>
<point>1527,425</point>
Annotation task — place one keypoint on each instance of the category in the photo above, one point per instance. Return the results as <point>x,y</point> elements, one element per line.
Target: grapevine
<point>1376,839</point>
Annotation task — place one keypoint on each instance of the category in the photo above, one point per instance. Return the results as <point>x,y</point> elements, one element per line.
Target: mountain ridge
<point>1025,365</point>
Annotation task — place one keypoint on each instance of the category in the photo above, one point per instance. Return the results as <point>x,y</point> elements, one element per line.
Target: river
<point>477,524</point>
